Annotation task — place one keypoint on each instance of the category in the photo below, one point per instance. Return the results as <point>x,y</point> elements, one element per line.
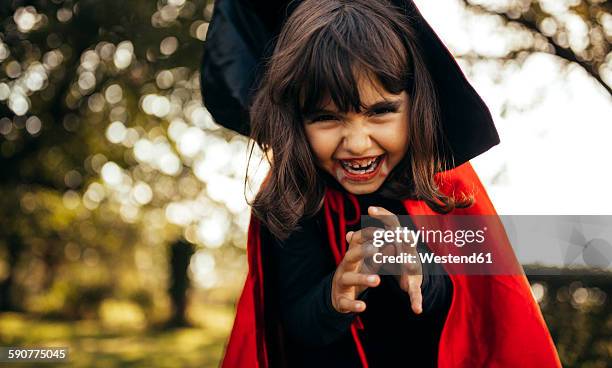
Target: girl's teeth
<point>358,164</point>
<point>362,167</point>
<point>361,163</point>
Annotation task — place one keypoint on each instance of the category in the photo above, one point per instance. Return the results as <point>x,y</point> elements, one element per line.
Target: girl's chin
<point>361,188</point>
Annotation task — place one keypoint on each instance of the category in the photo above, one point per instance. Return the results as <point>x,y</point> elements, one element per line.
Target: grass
<point>91,344</point>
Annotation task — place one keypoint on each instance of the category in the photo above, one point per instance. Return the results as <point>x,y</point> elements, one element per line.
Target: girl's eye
<point>323,118</point>
<point>383,110</point>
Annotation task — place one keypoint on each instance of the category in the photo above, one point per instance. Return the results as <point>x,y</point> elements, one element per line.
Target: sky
<point>555,144</point>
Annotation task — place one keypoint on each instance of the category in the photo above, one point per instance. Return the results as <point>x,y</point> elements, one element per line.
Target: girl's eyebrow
<point>318,112</point>
<point>384,104</point>
<point>379,105</point>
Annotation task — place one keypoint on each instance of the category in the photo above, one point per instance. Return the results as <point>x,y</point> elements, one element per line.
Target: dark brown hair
<point>320,50</point>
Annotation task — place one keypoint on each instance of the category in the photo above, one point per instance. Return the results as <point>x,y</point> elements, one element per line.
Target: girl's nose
<point>357,142</point>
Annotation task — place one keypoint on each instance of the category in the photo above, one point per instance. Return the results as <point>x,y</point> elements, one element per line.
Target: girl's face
<point>361,148</point>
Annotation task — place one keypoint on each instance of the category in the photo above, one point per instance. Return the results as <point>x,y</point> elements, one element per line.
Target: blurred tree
<point>578,31</point>
<point>180,255</point>
<point>577,308</point>
<point>102,140</point>
<point>6,286</point>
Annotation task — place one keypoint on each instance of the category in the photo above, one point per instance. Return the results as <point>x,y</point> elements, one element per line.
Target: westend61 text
<point>474,258</point>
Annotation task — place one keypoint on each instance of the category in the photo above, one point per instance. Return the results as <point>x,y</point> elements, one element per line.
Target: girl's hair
<point>321,51</point>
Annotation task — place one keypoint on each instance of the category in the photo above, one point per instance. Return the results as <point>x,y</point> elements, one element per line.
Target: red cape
<point>493,320</point>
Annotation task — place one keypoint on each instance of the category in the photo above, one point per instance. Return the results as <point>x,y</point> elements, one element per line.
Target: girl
<point>365,113</point>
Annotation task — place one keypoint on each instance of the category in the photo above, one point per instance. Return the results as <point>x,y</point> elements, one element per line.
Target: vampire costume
<point>476,320</point>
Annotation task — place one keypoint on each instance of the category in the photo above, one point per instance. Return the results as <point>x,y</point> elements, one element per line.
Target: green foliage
<point>93,344</point>
<point>578,312</point>
<point>577,31</point>
<point>88,93</point>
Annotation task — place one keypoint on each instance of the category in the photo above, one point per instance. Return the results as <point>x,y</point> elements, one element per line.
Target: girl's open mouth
<point>362,169</point>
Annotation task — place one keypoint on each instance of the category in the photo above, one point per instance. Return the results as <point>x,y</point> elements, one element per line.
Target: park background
<point>122,207</point>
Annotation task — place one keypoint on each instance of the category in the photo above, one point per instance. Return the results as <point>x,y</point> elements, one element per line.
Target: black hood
<point>242,34</point>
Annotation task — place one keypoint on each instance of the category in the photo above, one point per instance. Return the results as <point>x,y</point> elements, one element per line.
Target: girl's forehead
<point>370,90</point>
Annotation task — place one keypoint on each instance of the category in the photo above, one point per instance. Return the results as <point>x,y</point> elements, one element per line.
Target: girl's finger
<point>357,253</point>
<point>411,268</point>
<point>413,288</point>
<point>362,236</point>
<point>388,218</point>
<point>349,279</point>
<point>348,305</point>
<point>355,238</point>
<point>349,236</point>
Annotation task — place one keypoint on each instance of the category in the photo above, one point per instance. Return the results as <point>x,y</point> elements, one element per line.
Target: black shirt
<point>319,336</point>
